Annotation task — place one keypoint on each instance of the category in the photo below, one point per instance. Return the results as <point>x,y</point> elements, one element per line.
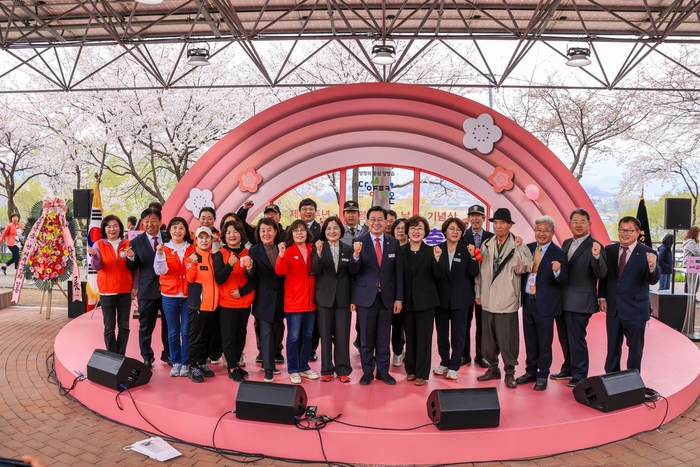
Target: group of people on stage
<point>314,277</point>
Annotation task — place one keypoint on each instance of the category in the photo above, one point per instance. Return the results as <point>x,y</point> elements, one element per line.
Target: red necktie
<point>378,251</point>
<point>155,243</point>
<point>623,261</point>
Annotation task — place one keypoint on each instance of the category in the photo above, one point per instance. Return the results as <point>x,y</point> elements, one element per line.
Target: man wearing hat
<point>273,212</point>
<point>475,235</point>
<point>497,290</point>
<point>353,229</point>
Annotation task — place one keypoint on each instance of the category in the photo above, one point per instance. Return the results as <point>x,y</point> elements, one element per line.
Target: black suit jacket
<point>548,287</point>
<point>468,237</point>
<point>368,274</point>
<point>628,296</point>
<point>456,289</point>
<point>268,304</point>
<point>316,230</point>
<point>580,293</point>
<point>420,282</point>
<point>144,255</point>
<point>332,287</point>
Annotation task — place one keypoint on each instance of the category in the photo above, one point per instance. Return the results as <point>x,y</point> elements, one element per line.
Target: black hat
<point>351,206</point>
<point>272,207</point>
<point>476,209</point>
<point>502,214</point>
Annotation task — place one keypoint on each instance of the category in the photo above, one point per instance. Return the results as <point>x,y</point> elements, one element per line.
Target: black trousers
<point>199,334</point>
<point>268,345</point>
<point>116,311</point>
<point>215,346</point>
<point>334,327</point>
<point>14,249</point>
<point>633,333</point>
<point>278,337</point>
<point>233,327</point>
<point>454,337</point>
<point>148,314</point>
<point>473,312</point>
<point>398,339</point>
<point>419,341</point>
<point>563,336</point>
<point>538,331</point>
<point>576,324</point>
<point>375,327</point>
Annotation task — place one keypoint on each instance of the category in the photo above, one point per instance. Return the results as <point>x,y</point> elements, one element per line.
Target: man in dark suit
<point>579,296</point>
<point>307,213</point>
<point>624,294</point>
<point>378,292</point>
<point>474,235</point>
<point>542,302</point>
<point>140,257</point>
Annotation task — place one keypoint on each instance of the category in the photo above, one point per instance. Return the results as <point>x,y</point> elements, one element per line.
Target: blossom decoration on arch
<point>501,179</point>
<point>199,199</point>
<point>481,133</point>
<point>249,180</point>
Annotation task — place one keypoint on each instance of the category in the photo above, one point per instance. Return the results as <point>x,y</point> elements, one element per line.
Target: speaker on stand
<point>82,204</point>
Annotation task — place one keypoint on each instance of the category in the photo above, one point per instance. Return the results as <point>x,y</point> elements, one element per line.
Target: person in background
<point>421,271</point>
<point>353,228</point>
<point>140,257</point>
<point>242,216</point>
<point>294,263</point>
<point>665,262</point>
<point>207,218</point>
<point>398,337</point>
<point>332,296</point>
<point>169,265</point>
<point>390,219</point>
<point>12,236</point>
<point>268,303</point>
<point>273,212</point>
<point>456,297</point>
<point>691,247</point>
<point>114,281</point>
<point>202,300</point>
<point>236,294</point>
<point>131,223</point>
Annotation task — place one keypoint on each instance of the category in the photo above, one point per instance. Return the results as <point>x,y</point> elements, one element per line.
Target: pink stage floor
<point>532,423</point>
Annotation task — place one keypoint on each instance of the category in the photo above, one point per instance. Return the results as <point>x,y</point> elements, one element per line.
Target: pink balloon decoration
<point>532,192</point>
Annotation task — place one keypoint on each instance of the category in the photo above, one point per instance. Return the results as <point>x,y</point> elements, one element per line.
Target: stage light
<point>198,55</point>
<point>578,56</point>
<point>383,54</point>
<point>150,2</point>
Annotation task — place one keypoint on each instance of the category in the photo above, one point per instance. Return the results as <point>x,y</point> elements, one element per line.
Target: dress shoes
<point>541,384</point>
<point>387,378</point>
<point>148,362</point>
<point>482,362</point>
<point>420,382</point>
<point>465,361</point>
<point>510,382</point>
<point>560,375</point>
<point>489,375</point>
<point>314,357</point>
<point>166,359</point>
<point>366,379</point>
<point>526,378</point>
<point>573,382</point>
<point>411,378</point>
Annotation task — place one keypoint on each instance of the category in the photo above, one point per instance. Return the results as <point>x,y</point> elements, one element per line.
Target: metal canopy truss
<point>69,43</point>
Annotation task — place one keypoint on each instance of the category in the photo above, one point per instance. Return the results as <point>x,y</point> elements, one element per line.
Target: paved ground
<point>34,418</point>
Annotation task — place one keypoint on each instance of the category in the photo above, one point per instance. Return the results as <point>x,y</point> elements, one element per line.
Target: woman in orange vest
<point>12,231</point>
<point>114,281</point>
<point>236,294</point>
<point>169,264</point>
<point>294,262</point>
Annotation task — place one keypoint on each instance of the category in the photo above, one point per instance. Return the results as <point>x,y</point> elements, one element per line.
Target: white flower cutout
<point>481,133</point>
<point>199,199</point>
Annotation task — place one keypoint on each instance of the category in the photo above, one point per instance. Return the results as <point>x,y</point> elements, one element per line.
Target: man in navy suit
<point>378,292</point>
<point>542,302</point>
<point>475,235</point>
<point>624,294</point>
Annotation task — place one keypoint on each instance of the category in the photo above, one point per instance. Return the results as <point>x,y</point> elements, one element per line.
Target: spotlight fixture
<point>578,56</point>
<point>383,54</point>
<point>198,55</point>
<point>150,2</point>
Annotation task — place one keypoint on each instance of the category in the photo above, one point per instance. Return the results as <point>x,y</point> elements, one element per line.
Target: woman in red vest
<point>114,281</point>
<point>169,264</point>
<point>12,235</point>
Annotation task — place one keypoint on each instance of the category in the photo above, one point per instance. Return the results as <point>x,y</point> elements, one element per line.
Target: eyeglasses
<point>416,228</point>
<point>626,231</point>
<point>454,229</point>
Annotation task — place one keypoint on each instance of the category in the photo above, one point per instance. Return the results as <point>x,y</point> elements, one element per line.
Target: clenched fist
<point>281,247</point>
<point>357,246</point>
<point>518,241</point>
<point>437,251</point>
<point>159,249</point>
<point>651,260</point>
<point>232,260</point>
<point>319,247</point>
<point>595,248</point>
<point>248,204</point>
<point>556,266</point>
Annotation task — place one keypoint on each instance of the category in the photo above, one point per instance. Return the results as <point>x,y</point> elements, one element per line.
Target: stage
<point>532,423</point>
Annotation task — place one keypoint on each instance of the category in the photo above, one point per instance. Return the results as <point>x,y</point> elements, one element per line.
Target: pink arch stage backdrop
<point>385,124</point>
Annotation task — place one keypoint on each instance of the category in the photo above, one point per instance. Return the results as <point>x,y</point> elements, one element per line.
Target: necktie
<point>623,261</point>
<point>535,266</point>
<point>155,243</point>
<point>352,232</point>
<point>477,239</point>
<point>378,251</point>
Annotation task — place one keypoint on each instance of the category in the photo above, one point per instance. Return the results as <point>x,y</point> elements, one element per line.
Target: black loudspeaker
<point>82,204</point>
<point>677,213</point>
<point>113,370</point>
<point>454,409</point>
<point>612,391</point>
<point>268,402</point>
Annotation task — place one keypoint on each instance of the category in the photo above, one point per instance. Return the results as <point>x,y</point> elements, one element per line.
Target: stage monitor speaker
<point>113,370</point>
<point>612,391</point>
<point>82,204</point>
<point>455,409</point>
<point>677,213</point>
<point>268,402</point>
